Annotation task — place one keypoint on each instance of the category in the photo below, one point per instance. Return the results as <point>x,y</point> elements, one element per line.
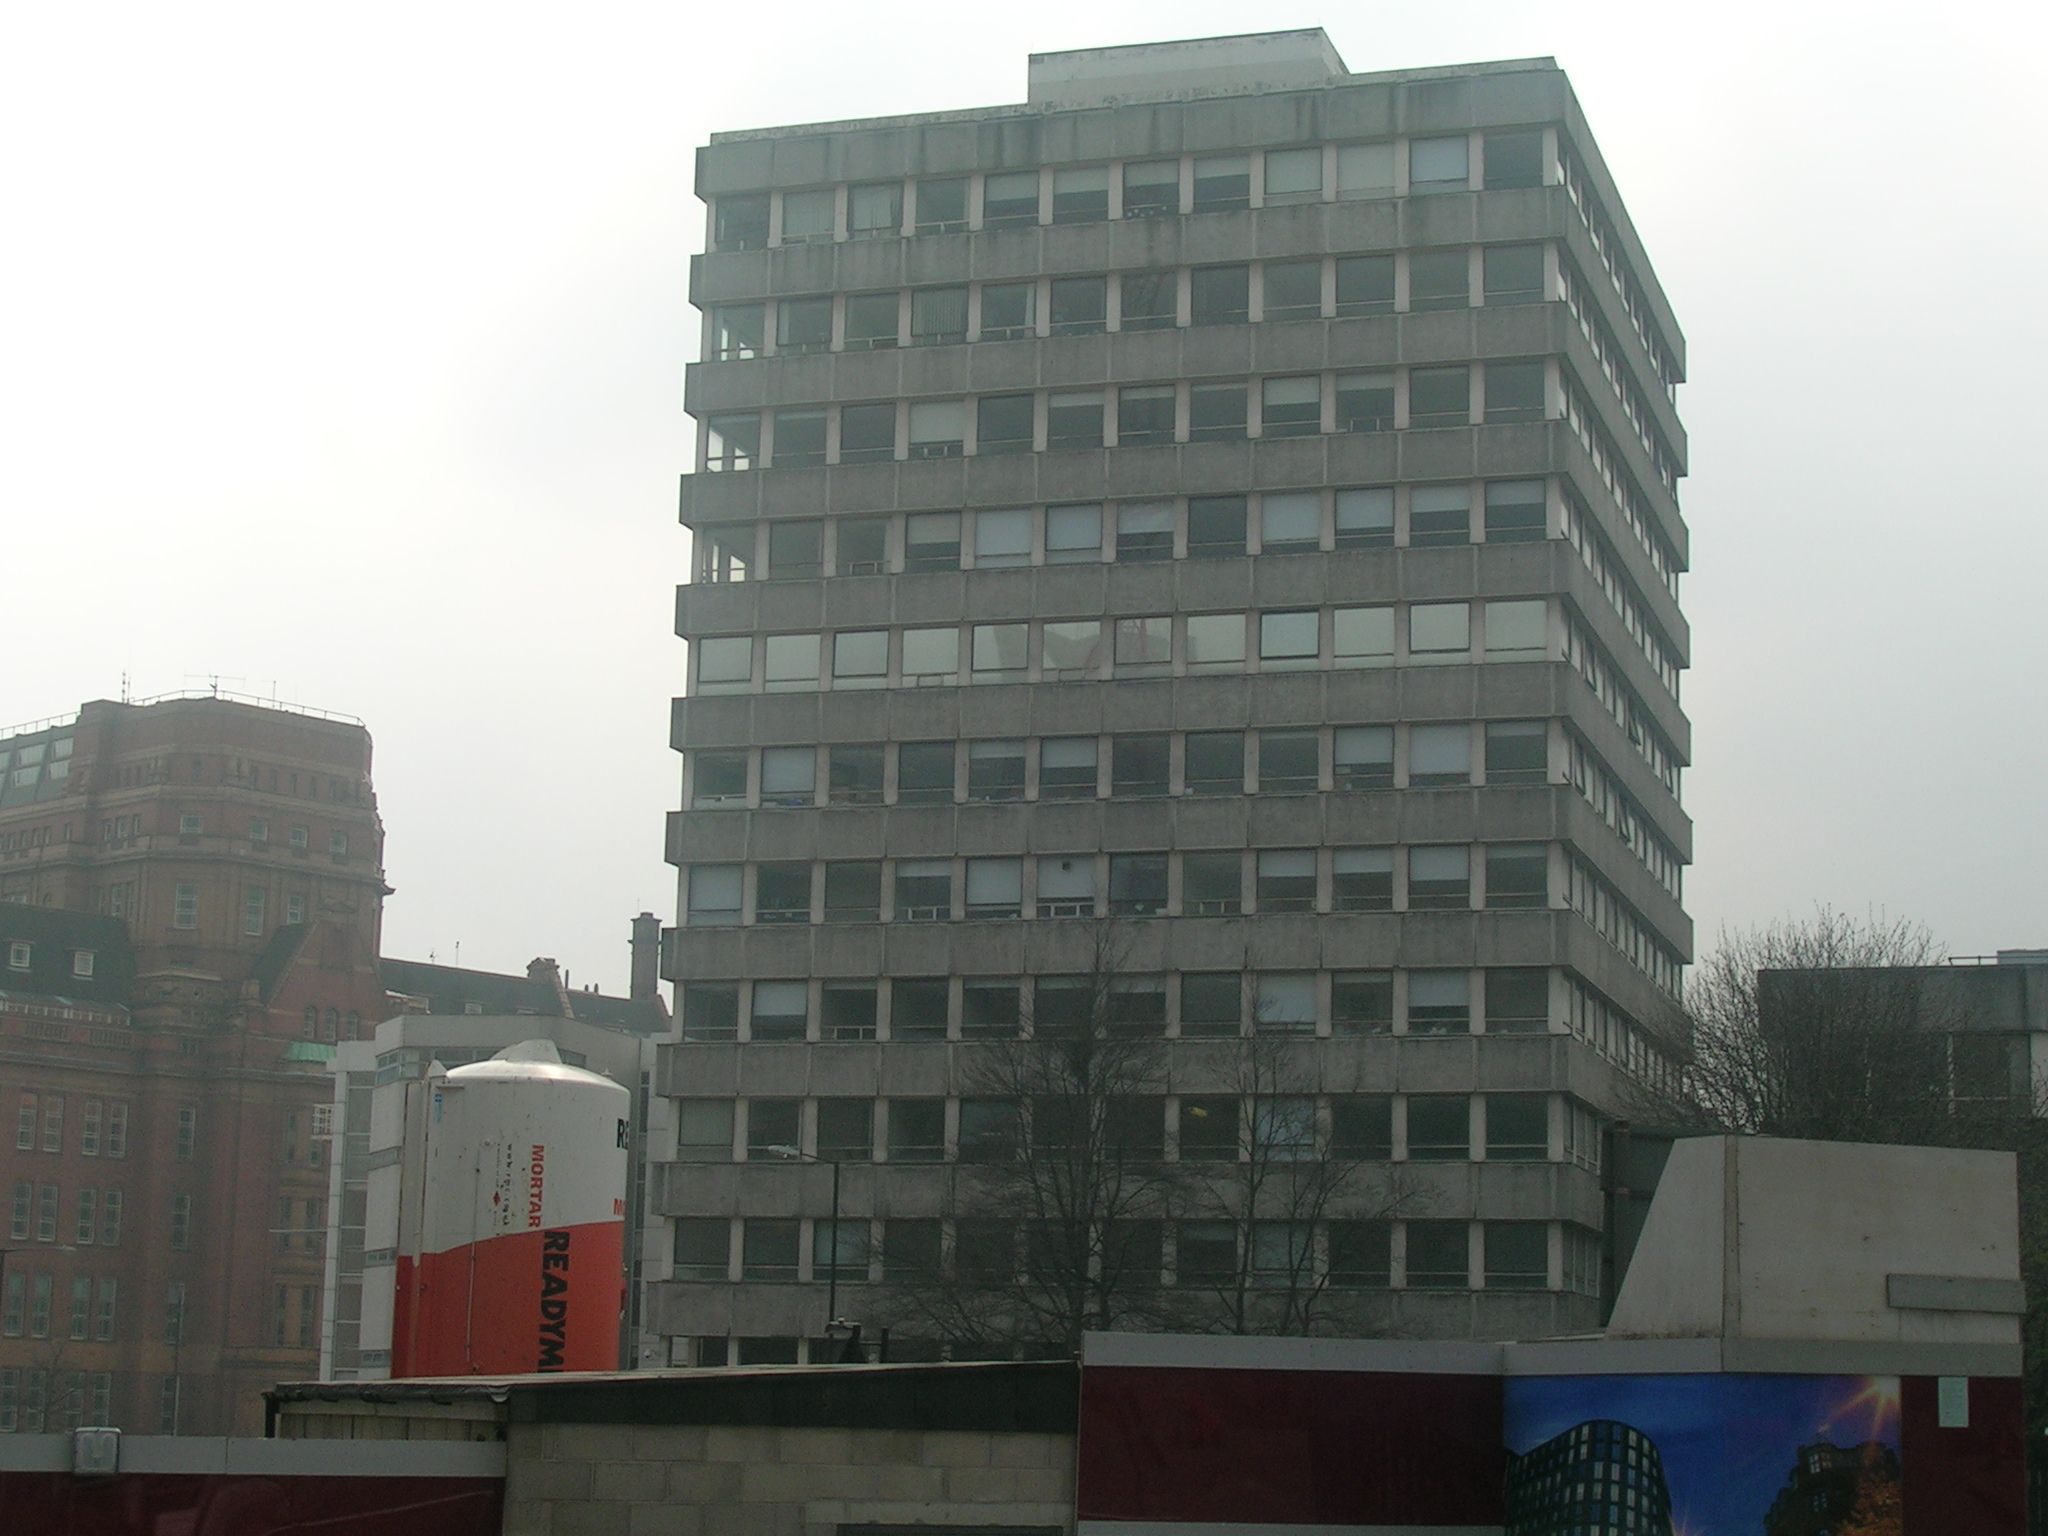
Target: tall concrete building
<point>1206,538</point>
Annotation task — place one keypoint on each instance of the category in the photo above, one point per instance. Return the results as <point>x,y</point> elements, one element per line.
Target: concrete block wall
<point>759,1480</point>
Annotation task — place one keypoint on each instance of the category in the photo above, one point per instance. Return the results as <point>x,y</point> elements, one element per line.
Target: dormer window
<point>81,962</point>
<point>19,953</point>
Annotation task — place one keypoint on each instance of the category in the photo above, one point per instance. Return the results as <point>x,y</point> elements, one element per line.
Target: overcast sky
<point>341,352</point>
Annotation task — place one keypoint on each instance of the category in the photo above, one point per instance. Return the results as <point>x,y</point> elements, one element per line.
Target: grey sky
<point>341,347</point>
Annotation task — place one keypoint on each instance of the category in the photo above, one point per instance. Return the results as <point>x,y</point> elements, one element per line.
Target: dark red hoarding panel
<point>1964,1482</point>
<point>1289,1447</point>
<point>528,1301</point>
<point>187,1504</point>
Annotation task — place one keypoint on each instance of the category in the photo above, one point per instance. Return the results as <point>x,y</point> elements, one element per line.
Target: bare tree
<point>1275,1179</point>
<point>1819,1028</point>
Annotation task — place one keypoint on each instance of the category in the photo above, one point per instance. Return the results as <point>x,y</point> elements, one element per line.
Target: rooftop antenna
<point>124,685</point>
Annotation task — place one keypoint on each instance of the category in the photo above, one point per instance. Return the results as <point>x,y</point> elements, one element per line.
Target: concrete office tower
<point>1221,514</point>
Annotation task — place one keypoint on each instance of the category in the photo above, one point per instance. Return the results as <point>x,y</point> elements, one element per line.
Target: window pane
<point>1287,761</point>
<point>1066,768</point>
<point>1292,290</point>
<point>718,777</point>
<point>1002,538</point>
<point>931,655</point>
<point>1216,526</point>
<point>1518,875</point>
<point>871,321</point>
<point>1073,422</point>
<point>1518,627</point>
<point>1439,279</point>
<point>854,775</point>
<point>740,222</point>
<point>1439,515</point>
<point>1365,518</point>
<point>1080,305</point>
<point>1288,636</point>
<point>1138,764</point>
<point>1362,879</point>
<point>1365,170</point>
<point>1145,642</point>
<point>1009,199</point>
<point>1287,1004</point>
<point>1216,641</point>
<point>1291,407</point>
<point>1439,754</point>
<point>1439,1255</point>
<point>1364,756</point>
<point>990,1009</point>
<point>917,1008</point>
<point>1137,888</point>
<point>738,331</point>
<point>1517,1127</point>
<point>1080,195</point>
<point>1365,403</point>
<point>1514,392</point>
<point>809,216</point>
<point>1437,628</point>
<point>1001,647</point>
<point>1294,173</point>
<point>995,770</point>
<point>1437,165</point>
<point>1219,295</point>
<point>1439,877</point>
<point>1009,310</point>
<point>803,325</point>
<point>789,775</point>
<point>1363,636</point>
<point>1151,187</point>
<point>1216,413</point>
<point>1362,1002</point>
<point>1144,531</point>
<point>796,549</point>
<point>995,887</point>
<point>1362,1127</point>
<point>942,206</point>
<point>1514,159</point>
<point>875,210</point>
<point>1222,182</point>
<point>1211,885</point>
<point>1517,751</point>
<point>1075,534</point>
<point>1439,1002</point>
<point>1515,511</point>
<point>867,433</point>
<point>860,656</point>
<point>1004,423</point>
<point>1439,1127</point>
<point>1439,397</point>
<point>924,772</point>
<point>1290,522</point>
<point>1144,415</point>
<point>1365,285</point>
<point>1151,301</point>
<point>1513,274</point>
<point>1517,1255</point>
<point>937,428</point>
<point>1211,1003</point>
<point>853,891</point>
<point>1517,1001</point>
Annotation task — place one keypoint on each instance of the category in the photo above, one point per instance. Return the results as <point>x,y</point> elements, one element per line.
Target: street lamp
<point>797,1154</point>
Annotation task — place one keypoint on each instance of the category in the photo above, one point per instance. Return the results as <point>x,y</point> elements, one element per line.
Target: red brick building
<point>190,898</point>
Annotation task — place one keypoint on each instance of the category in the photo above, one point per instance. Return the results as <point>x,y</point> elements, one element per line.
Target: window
<point>840,1249</point>
<point>801,325</point>
<point>254,901</point>
<point>872,324</point>
<point>1150,301</point>
<point>188,1132</point>
<point>1517,1128</point>
<point>1294,175</point>
<point>924,890</point>
<point>714,895</point>
<point>938,429</point>
<point>1365,170</point>
<point>1361,1253</point>
<point>725,663</point>
<point>1365,403</point>
<point>931,656</point>
<point>995,770</point>
<point>1009,311</point>
<point>89,1129</point>
<point>1073,422</point>
<point>1144,415</point>
<point>1439,877</point>
<point>1517,1255</point>
<point>991,1009</point>
<point>185,905</point>
<point>860,658</point>
<point>104,1317</point>
<point>769,1248</point>
<point>88,1216</point>
<point>1009,200</point>
<point>1439,1255</point>
<point>781,1010</point>
<point>863,546</point>
<point>704,1130</point>
<point>917,1008</point>
<point>1062,1003</point>
<point>1517,1002</point>
<point>1441,629</point>
<point>1066,886</point>
<point>1002,538</point>
<point>1151,187</point>
<point>1219,295</point>
<point>1137,885</point>
<point>1362,1129</point>
<point>1285,1004</point>
<point>1292,290</point>
<point>19,954</point>
<point>1137,1004</point>
<point>1438,165</point>
<point>1139,764</point>
<point>924,772</point>
<point>1067,768</point>
<point>1291,407</point>
<point>1514,159</point>
<point>1208,1130</point>
<point>1362,637</point>
<point>1439,1127</point>
<point>853,775</point>
<point>1439,397</point>
<point>1206,1252</point>
<point>1216,642</point>
<point>740,222</point>
<point>1211,884</point>
<point>1074,534</point>
<point>867,433</point>
<point>1439,1002</point>
<point>738,331</point>
<point>995,888</point>
<point>783,891</point>
<point>1517,752</point>
<point>1515,512</point>
<point>1216,527</point>
<point>1144,531</point>
<point>1514,392</point>
<point>1439,279</point>
<point>799,444</point>
<point>1214,763</point>
<point>24,1210</point>
<point>711,1010</point>
<point>1211,1003</point>
<point>1288,762</point>
<point>847,1011</point>
<point>1439,515</point>
<point>1290,522</point>
<point>110,1219</point>
<point>1080,306</point>
<point>295,908</point>
<point>53,1123</point>
<point>300,840</point>
<point>1517,629</point>
<point>790,663</point>
<point>910,1248</point>
<point>942,206</point>
<point>938,317</point>
<point>1288,639</point>
<point>25,1124</point>
<point>1222,182</point>
<point>1001,649</point>
<point>40,1288</point>
<point>875,210</point>
<point>1216,413</point>
<point>337,846</point>
<point>846,1130</point>
<point>853,891</point>
<point>1282,1252</point>
<point>181,1223</point>
<point>789,775</point>
<point>774,1129</point>
<point>988,1130</point>
<point>1365,518</point>
<point>917,1130</point>
<point>1142,644</point>
<point>1365,285</point>
<point>1362,879</point>
<point>1518,875</point>
<point>1513,274</point>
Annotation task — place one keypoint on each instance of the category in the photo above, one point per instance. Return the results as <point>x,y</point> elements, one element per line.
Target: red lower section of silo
<point>545,1300</point>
